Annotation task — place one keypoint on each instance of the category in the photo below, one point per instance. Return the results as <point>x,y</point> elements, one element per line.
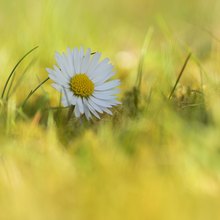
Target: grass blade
<point>13,70</point>
<point>143,55</point>
<point>180,75</point>
<point>10,85</point>
<point>33,91</point>
<point>9,92</point>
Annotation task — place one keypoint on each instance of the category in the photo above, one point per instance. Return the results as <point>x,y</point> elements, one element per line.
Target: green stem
<point>13,70</point>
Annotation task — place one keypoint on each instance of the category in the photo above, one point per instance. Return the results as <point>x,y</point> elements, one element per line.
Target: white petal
<point>108,85</point>
<point>102,66</point>
<point>64,75</point>
<point>93,63</point>
<point>68,97</point>
<point>87,113</point>
<point>91,109</point>
<point>104,97</point>
<point>105,69</point>
<point>57,77</point>
<point>86,108</point>
<point>94,112</point>
<point>67,64</point>
<point>101,79</point>
<point>115,102</point>
<point>65,102</point>
<point>95,106</point>
<point>57,87</point>
<point>81,54</point>
<point>105,103</point>
<point>107,111</point>
<point>61,63</point>
<point>100,102</point>
<point>80,104</point>
<point>76,59</point>
<point>107,92</point>
<point>76,111</point>
<point>73,99</point>
<point>69,57</point>
<point>85,61</point>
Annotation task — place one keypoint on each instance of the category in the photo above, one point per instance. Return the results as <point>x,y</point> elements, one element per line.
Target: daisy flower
<point>84,82</point>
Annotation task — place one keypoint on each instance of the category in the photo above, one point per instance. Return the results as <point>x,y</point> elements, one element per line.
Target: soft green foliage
<point>155,158</point>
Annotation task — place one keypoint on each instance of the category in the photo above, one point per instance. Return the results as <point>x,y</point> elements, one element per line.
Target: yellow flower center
<point>81,85</point>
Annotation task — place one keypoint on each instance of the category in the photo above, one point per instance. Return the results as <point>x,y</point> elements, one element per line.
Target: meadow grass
<point>157,157</point>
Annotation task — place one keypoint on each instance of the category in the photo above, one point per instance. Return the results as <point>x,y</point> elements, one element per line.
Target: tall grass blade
<point>180,75</point>
<point>13,70</point>
<point>9,92</point>
<point>33,91</point>
<point>143,55</point>
<point>10,85</point>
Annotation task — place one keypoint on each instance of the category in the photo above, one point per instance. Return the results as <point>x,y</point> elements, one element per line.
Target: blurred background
<point>160,161</point>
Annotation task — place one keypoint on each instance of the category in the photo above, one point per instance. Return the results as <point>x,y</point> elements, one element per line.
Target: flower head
<point>84,82</point>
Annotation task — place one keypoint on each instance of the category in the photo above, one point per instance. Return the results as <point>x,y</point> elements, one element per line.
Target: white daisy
<point>83,82</point>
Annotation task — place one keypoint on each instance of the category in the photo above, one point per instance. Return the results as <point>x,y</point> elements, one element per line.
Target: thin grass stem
<point>13,70</point>
<point>9,92</point>
<point>180,75</point>
<point>33,91</point>
<point>143,55</point>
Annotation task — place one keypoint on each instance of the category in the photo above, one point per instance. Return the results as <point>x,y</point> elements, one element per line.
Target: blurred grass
<point>158,159</point>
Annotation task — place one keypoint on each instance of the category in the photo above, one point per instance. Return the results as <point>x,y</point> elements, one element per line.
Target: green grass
<point>157,157</point>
